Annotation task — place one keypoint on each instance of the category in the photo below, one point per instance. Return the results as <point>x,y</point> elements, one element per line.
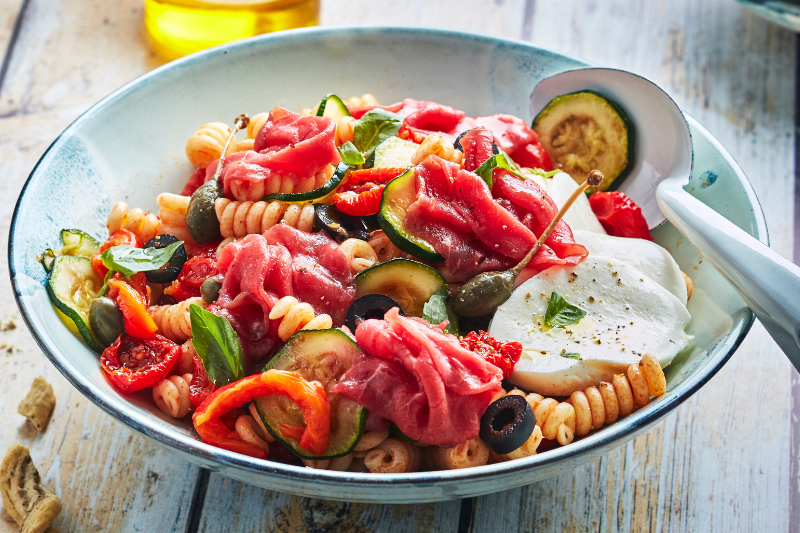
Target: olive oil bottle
<point>180,27</point>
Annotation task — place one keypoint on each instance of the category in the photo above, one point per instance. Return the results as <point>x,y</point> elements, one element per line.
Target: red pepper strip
<point>361,194</point>
<point>134,364</point>
<point>309,396</point>
<point>133,305</point>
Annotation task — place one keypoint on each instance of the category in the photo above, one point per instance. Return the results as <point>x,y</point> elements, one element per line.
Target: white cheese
<point>580,216</point>
<point>647,256</point>
<point>628,315</point>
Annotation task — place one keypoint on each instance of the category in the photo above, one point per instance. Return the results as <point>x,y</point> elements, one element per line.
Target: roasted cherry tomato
<point>619,215</point>
<point>133,364</point>
<point>133,305</point>
<point>309,396</point>
<point>533,155</point>
<point>200,387</point>
<point>361,194</point>
<point>409,134</point>
<point>502,355</point>
<point>119,237</point>
<point>194,272</point>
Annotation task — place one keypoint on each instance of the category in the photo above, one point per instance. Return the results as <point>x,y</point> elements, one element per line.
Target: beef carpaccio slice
<point>288,147</point>
<point>474,232</point>
<point>421,379</point>
<point>261,269</point>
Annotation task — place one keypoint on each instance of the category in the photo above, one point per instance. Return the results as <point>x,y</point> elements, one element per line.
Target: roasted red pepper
<point>309,396</point>
<point>619,215</point>
<point>502,355</point>
<point>133,305</point>
<point>361,194</point>
<point>133,364</point>
<point>118,238</point>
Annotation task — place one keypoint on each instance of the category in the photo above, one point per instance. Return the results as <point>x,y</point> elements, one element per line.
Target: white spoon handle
<point>768,282</point>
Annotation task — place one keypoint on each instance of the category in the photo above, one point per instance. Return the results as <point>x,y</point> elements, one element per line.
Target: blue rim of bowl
<point>209,455</point>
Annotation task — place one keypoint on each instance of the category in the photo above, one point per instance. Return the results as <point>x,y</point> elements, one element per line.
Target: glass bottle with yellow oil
<point>181,27</point>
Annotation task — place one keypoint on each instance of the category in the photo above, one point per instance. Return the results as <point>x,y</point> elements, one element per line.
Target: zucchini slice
<point>585,130</point>
<point>394,152</point>
<point>398,195</point>
<point>331,106</point>
<point>321,355</point>
<point>48,258</point>
<point>72,285</point>
<point>317,195</point>
<point>77,242</point>
<point>410,283</point>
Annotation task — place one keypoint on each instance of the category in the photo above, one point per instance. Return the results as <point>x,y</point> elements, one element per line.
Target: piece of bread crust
<point>38,404</point>
<point>27,501</point>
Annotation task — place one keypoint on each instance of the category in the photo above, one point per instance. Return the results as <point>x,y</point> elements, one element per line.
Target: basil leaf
<point>561,313</point>
<point>496,161</point>
<point>129,260</point>
<point>217,345</point>
<point>571,355</point>
<point>435,311</point>
<point>373,128</point>
<point>543,173</point>
<point>350,154</point>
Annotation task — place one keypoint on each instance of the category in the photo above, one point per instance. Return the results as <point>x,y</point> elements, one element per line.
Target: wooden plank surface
<point>721,462</point>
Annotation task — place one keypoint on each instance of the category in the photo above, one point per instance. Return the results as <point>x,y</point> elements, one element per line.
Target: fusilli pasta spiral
<point>360,254</point>
<point>238,219</point>
<point>467,454</point>
<point>296,316</point>
<point>256,123</point>
<point>364,99</point>
<point>254,191</point>
<point>437,145</point>
<point>173,320</point>
<point>344,130</point>
<point>393,456</point>
<point>251,432</point>
<point>206,144</point>
<point>143,225</point>
<point>383,247</point>
<point>172,395</point>
<point>266,435</point>
<point>172,213</point>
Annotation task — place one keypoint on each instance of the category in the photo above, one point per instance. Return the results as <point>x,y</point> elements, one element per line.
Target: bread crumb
<point>38,405</point>
<point>26,500</point>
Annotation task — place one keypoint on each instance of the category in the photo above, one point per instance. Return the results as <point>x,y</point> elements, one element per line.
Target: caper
<point>201,218</point>
<point>482,294</point>
<point>209,289</point>
<point>106,320</point>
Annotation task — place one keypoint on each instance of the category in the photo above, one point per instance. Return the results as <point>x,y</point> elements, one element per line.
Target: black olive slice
<point>369,306</point>
<point>172,269</point>
<point>338,225</point>
<point>507,423</point>
<point>457,144</point>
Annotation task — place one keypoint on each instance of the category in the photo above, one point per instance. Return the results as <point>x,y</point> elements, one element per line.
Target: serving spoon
<point>767,282</point>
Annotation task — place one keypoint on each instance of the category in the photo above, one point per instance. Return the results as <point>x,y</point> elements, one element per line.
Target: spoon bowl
<point>662,144</point>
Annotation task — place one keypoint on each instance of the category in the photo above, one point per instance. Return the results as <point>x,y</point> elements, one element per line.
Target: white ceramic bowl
<point>130,146</point>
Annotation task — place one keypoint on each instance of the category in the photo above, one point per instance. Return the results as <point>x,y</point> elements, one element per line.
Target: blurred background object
<point>786,12</point>
<point>180,27</point>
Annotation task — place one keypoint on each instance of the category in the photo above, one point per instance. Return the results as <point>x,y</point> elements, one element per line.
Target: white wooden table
<point>727,460</point>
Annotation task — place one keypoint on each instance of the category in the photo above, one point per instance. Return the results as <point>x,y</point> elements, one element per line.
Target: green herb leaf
<point>130,260</point>
<point>543,173</point>
<point>373,128</point>
<point>350,154</point>
<point>562,313</point>
<point>496,161</point>
<point>217,345</point>
<point>571,355</point>
<point>435,311</point>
